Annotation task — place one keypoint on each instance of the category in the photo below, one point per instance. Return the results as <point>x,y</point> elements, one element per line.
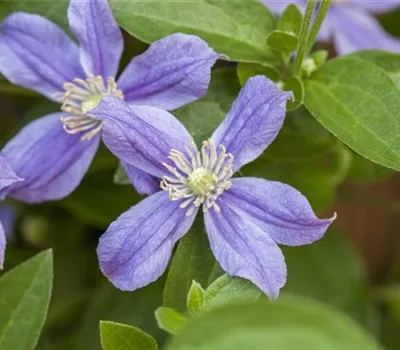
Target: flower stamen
<point>198,177</point>
<point>81,96</point>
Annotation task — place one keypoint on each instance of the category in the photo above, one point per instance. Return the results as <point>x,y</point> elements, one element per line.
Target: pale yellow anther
<point>198,178</point>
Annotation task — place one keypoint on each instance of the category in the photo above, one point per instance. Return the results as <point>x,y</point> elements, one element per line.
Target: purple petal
<point>278,6</point>
<point>356,29</point>
<point>8,218</point>
<point>327,28</point>
<point>243,249</point>
<point>136,248</point>
<point>2,245</point>
<point>174,71</point>
<point>37,54</point>
<point>278,209</point>
<point>253,122</point>
<point>141,136</point>
<point>99,36</point>
<point>7,177</point>
<point>51,162</point>
<point>377,5</point>
<point>142,181</point>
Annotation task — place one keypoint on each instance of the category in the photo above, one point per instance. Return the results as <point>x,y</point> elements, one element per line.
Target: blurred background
<point>356,267</point>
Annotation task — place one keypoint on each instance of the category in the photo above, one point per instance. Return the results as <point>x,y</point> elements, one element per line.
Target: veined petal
<point>2,245</point>
<point>7,177</point>
<point>253,122</point>
<point>51,162</point>
<point>136,248</point>
<point>141,136</point>
<point>99,36</point>
<point>174,71</point>
<point>37,54</point>
<point>356,29</point>
<point>377,5</point>
<point>278,209</point>
<point>243,249</point>
<point>142,181</point>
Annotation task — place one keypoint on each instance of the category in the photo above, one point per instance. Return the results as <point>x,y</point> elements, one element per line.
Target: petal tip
<point>333,218</point>
<point>224,57</point>
<point>273,295</point>
<point>287,95</point>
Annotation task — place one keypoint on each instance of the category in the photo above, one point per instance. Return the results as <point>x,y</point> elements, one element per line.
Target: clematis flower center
<point>200,181</point>
<point>198,177</point>
<point>81,96</point>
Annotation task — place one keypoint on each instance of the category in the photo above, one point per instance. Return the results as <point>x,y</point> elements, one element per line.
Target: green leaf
<point>282,41</point>
<point>24,300</point>
<point>123,337</point>
<point>248,70</point>
<point>366,171</point>
<point>55,11</point>
<point>290,20</point>
<point>91,201</point>
<point>289,323</point>
<point>330,271</point>
<point>235,28</point>
<point>202,117</point>
<point>295,85</point>
<point>107,302</point>
<point>318,179</point>
<point>319,57</point>
<point>359,103</point>
<point>193,260</point>
<point>170,320</point>
<point>215,287</point>
<point>195,300</point>
<point>305,156</point>
<point>388,61</point>
<point>227,289</point>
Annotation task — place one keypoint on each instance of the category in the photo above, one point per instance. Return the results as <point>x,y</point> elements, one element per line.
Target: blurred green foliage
<point>304,155</point>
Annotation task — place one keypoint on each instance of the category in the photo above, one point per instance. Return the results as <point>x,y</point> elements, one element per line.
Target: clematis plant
<point>245,218</point>
<point>54,152</point>
<point>7,178</point>
<point>351,24</point>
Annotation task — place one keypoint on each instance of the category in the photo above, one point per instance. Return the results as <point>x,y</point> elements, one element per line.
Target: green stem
<point>319,19</point>
<point>304,34</point>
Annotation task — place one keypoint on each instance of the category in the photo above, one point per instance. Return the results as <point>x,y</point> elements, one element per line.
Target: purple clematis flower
<point>245,218</point>
<point>7,178</point>
<point>53,153</point>
<point>351,24</point>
